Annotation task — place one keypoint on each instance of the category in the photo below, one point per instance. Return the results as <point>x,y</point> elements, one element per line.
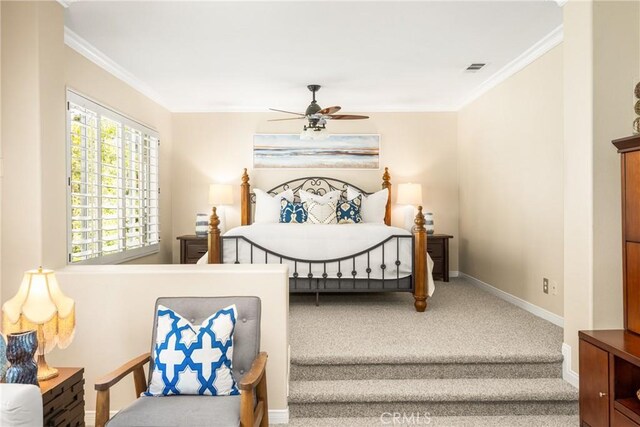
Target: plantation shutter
<point>113,185</point>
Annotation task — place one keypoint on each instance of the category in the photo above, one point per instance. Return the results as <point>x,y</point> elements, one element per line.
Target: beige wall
<point>112,329</point>
<point>602,66</point>
<point>90,80</point>
<point>214,147</point>
<point>510,151</point>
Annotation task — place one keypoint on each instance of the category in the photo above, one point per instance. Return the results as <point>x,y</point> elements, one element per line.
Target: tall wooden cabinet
<point>610,360</point>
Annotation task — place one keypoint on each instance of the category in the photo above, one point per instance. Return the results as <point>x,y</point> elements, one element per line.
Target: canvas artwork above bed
<point>336,152</point>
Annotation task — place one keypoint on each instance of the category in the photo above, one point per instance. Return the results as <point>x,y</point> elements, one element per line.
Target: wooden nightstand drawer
<point>196,250</point>
<point>435,248</point>
<point>438,250</point>
<point>192,248</point>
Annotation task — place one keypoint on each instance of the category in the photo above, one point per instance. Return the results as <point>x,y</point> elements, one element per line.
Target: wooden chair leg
<point>261,391</point>
<point>246,408</point>
<point>102,408</point>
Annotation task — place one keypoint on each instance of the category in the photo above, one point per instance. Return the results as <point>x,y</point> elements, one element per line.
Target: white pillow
<point>193,359</point>
<point>268,206</point>
<point>331,196</point>
<point>373,207</point>
<point>321,213</point>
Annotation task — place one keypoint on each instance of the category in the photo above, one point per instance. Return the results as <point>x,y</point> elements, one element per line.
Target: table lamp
<point>220,195</point>
<point>409,194</point>
<point>40,305</point>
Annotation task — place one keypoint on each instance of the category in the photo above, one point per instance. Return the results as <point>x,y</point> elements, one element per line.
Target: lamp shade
<point>409,194</point>
<point>220,194</point>
<point>40,303</point>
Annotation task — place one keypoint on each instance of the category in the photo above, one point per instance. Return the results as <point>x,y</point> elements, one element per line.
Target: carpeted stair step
<point>386,420</point>
<point>438,397</point>
<point>320,372</point>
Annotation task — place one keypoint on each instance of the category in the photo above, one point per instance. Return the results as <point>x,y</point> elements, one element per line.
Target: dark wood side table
<point>63,398</point>
<point>438,249</point>
<point>192,248</point>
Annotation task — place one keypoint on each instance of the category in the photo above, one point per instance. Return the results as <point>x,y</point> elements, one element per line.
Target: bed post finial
<point>386,183</point>
<point>420,262</point>
<point>214,238</point>
<point>245,201</point>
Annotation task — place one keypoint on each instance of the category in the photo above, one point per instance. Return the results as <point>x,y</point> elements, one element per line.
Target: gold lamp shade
<point>40,305</point>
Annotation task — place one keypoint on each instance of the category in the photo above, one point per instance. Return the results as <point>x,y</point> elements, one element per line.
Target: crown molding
<point>86,49</point>
<point>551,40</point>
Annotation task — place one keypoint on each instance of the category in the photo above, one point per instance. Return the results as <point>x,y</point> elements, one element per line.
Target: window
<point>113,189</point>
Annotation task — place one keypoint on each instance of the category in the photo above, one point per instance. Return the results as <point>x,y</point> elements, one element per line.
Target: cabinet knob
<point>601,394</point>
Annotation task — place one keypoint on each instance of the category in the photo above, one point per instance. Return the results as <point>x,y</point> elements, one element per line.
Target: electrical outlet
<point>554,287</point>
<point>545,285</point>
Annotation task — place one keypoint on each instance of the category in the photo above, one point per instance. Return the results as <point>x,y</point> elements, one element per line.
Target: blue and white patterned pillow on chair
<point>292,212</point>
<point>348,211</point>
<point>192,359</point>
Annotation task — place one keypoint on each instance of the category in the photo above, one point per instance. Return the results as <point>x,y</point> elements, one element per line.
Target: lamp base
<point>45,372</point>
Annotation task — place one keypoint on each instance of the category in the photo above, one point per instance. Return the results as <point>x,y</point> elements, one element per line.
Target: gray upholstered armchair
<point>248,409</point>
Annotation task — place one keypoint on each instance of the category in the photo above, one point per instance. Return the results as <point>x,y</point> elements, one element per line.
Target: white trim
<point>279,416</point>
<point>276,416</point>
<point>356,109</point>
<point>65,3</point>
<point>526,305</point>
<point>551,40</point>
<point>568,374</point>
<point>454,273</point>
<point>84,48</point>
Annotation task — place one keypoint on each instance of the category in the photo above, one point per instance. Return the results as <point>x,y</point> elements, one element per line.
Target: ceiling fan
<point>317,116</point>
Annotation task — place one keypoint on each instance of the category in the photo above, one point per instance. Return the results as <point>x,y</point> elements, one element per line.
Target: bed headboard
<point>314,184</point>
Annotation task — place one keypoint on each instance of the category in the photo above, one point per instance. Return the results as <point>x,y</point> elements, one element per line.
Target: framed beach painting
<point>335,152</point>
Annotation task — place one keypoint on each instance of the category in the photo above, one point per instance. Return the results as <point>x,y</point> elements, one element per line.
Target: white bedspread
<point>319,242</point>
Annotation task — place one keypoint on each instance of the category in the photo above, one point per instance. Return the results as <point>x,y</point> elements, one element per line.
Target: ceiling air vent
<point>476,66</point>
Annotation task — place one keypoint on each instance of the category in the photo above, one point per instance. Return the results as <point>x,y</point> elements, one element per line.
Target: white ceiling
<point>368,56</point>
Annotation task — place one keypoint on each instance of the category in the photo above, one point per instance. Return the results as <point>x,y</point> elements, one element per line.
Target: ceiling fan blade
<point>329,110</point>
<point>288,112</point>
<point>289,118</point>
<point>346,117</point>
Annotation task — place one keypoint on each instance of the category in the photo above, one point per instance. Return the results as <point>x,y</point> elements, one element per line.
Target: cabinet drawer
<point>196,250</point>
<point>435,249</point>
<point>620,420</point>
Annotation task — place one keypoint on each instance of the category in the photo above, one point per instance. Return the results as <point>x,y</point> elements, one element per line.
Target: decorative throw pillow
<point>292,212</point>
<point>268,206</point>
<point>192,359</point>
<point>319,213</point>
<point>331,196</point>
<point>348,211</point>
<point>373,206</point>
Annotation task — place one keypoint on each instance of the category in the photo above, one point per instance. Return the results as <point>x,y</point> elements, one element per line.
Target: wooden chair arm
<point>255,374</point>
<point>112,378</point>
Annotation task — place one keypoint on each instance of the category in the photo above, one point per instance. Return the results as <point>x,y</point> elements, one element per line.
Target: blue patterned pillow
<point>292,212</point>
<point>348,211</point>
<point>192,359</point>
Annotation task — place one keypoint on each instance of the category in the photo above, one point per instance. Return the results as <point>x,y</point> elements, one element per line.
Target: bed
<point>363,257</point>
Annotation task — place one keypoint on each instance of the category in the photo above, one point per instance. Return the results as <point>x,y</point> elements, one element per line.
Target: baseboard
<point>531,308</point>
<point>454,274</point>
<point>276,416</point>
<point>568,374</point>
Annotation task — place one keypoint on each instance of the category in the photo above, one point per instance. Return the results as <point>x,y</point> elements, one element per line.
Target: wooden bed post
<point>214,238</point>
<point>245,201</point>
<point>420,262</point>
<point>386,183</point>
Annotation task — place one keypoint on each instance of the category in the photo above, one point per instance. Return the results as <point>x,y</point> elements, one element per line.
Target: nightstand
<point>192,248</point>
<point>438,249</point>
<point>63,398</point>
